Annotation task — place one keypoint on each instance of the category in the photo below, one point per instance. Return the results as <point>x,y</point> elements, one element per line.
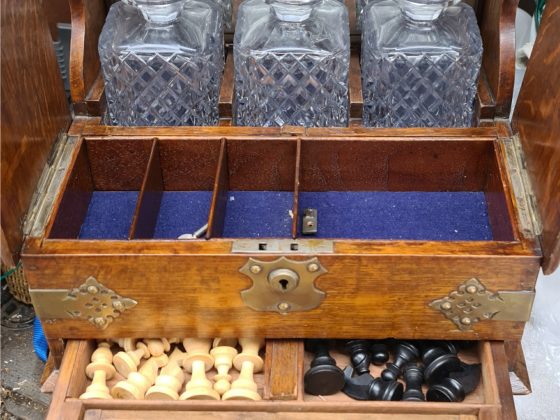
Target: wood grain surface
<point>537,119</point>
<point>34,110</point>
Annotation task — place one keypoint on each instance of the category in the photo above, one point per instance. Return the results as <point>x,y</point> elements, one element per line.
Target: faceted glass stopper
<point>159,12</point>
<point>423,11</point>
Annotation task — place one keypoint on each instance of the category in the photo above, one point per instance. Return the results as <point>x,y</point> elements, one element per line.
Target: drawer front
<point>281,385</point>
<point>388,296</point>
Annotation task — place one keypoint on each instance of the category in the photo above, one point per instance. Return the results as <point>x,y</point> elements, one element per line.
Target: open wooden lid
<point>537,120</point>
<point>34,112</point>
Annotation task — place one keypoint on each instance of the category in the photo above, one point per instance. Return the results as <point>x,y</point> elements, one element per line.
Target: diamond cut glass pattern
<point>419,68</point>
<point>290,69</point>
<point>163,73</point>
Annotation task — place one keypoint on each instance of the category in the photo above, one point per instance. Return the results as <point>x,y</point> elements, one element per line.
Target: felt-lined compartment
<point>102,190</point>
<point>403,190</point>
<point>448,190</point>
<point>256,189</point>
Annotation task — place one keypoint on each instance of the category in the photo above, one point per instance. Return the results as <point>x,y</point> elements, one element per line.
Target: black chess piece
<point>366,387</point>
<point>457,386</point>
<point>379,353</point>
<point>324,377</point>
<point>360,356</point>
<point>414,377</point>
<point>438,363</point>
<point>405,352</point>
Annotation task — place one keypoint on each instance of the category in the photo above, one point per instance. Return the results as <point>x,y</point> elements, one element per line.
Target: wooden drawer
<point>282,390</point>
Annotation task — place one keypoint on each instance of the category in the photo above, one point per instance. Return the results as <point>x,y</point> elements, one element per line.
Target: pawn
<point>99,370</point>
<point>157,346</point>
<point>137,383</point>
<point>379,353</point>
<point>127,362</point>
<point>324,377</point>
<point>413,377</point>
<point>247,363</point>
<point>405,352</point>
<point>223,361</point>
<point>360,356</point>
<point>198,361</point>
<point>170,379</point>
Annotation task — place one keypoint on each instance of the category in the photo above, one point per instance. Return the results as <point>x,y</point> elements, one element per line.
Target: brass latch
<point>471,302</point>
<point>283,285</point>
<point>90,301</point>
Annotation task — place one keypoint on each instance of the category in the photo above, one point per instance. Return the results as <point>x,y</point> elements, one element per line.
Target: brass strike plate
<point>283,285</point>
<point>471,302</point>
<point>90,301</point>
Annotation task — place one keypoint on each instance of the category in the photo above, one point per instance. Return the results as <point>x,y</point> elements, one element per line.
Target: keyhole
<point>284,284</point>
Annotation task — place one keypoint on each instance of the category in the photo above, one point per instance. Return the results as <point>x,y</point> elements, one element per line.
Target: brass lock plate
<point>283,285</point>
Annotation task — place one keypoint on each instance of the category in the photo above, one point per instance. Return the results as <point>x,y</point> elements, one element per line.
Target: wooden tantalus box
<point>421,233</point>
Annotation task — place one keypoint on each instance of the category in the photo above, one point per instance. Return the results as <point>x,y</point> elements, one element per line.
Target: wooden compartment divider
<point>149,199</point>
<point>217,213</point>
<point>297,174</point>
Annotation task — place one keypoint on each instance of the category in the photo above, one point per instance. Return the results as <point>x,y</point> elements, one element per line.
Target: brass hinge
<point>529,218</point>
<point>48,186</point>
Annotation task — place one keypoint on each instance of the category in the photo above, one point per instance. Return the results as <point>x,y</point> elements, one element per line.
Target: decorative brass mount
<point>471,302</point>
<point>90,301</point>
<point>283,285</point>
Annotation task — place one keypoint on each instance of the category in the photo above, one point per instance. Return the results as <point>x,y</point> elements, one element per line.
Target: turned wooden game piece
<point>379,353</point>
<point>457,386</point>
<point>414,377</point>
<point>198,361</point>
<point>127,344</point>
<point>128,361</point>
<point>438,363</point>
<point>226,342</point>
<point>99,370</point>
<point>137,383</point>
<point>247,363</point>
<point>223,361</point>
<point>360,356</point>
<point>157,346</point>
<point>366,387</point>
<point>170,379</point>
<point>324,377</point>
<point>405,352</point>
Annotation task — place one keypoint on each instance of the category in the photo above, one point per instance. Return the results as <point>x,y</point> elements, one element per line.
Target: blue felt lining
<point>258,214</point>
<point>109,215</point>
<point>182,212</point>
<point>437,216</point>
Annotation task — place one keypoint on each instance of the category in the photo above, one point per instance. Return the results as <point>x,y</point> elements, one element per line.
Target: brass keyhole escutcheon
<point>283,285</point>
<point>283,279</point>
